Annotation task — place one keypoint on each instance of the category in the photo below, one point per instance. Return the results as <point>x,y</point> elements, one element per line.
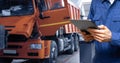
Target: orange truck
<point>37,29</point>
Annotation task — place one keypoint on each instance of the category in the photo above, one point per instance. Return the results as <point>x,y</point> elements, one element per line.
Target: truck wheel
<point>5,60</point>
<point>76,42</point>
<point>53,53</point>
<point>71,50</point>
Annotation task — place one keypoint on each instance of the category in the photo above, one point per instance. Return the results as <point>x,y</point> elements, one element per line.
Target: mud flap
<point>87,52</point>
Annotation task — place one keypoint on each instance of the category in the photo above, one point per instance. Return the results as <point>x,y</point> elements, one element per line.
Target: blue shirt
<point>102,12</point>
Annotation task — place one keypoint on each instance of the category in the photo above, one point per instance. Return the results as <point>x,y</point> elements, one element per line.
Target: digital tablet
<point>83,25</point>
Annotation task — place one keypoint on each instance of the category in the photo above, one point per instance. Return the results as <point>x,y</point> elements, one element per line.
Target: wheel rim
<point>54,54</point>
<point>72,45</point>
<point>76,42</point>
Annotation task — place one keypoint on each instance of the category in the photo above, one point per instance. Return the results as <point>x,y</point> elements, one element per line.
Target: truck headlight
<point>35,46</point>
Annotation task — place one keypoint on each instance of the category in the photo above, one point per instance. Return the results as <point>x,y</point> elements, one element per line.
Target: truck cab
<point>37,29</point>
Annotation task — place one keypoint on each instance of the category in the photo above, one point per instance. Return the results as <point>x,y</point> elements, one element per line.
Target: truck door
<point>53,14</point>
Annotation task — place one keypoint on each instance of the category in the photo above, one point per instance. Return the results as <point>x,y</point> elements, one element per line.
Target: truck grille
<point>9,28</point>
<point>14,46</point>
<point>32,54</point>
<point>16,38</point>
<point>6,54</point>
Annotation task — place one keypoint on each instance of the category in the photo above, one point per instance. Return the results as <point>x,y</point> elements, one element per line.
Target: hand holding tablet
<point>83,25</point>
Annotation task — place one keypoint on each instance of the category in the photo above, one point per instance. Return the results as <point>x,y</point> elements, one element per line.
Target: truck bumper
<point>24,50</point>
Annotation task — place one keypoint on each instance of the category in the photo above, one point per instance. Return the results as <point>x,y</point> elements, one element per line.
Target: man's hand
<point>103,34</point>
<point>87,37</point>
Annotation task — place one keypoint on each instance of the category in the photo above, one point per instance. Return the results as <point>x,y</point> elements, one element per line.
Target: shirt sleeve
<point>115,40</point>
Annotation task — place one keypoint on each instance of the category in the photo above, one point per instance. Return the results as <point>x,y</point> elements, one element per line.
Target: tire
<point>76,41</point>
<point>6,60</point>
<point>71,50</point>
<point>53,53</point>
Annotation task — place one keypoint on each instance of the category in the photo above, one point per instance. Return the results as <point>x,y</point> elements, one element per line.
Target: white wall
<point>80,5</point>
<point>84,9</point>
<point>87,0</point>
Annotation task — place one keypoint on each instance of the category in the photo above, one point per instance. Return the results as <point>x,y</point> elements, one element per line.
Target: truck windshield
<point>16,7</point>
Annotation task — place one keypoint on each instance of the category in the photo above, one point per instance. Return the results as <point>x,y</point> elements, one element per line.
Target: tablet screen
<point>84,24</point>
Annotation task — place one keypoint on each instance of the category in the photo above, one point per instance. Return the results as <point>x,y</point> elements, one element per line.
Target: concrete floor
<point>74,58</point>
<point>64,58</point>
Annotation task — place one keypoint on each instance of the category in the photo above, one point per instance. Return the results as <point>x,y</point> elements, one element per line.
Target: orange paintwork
<point>56,16</point>
<point>23,52</point>
<point>23,25</point>
<point>18,25</point>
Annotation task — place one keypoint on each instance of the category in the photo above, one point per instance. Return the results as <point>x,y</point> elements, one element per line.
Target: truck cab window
<point>55,4</point>
<point>50,4</point>
<point>42,6</point>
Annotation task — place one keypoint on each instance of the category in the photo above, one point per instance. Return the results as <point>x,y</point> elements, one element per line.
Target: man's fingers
<point>99,35</point>
<point>87,37</point>
<point>84,33</point>
<point>96,31</point>
<point>98,38</point>
<point>101,26</point>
